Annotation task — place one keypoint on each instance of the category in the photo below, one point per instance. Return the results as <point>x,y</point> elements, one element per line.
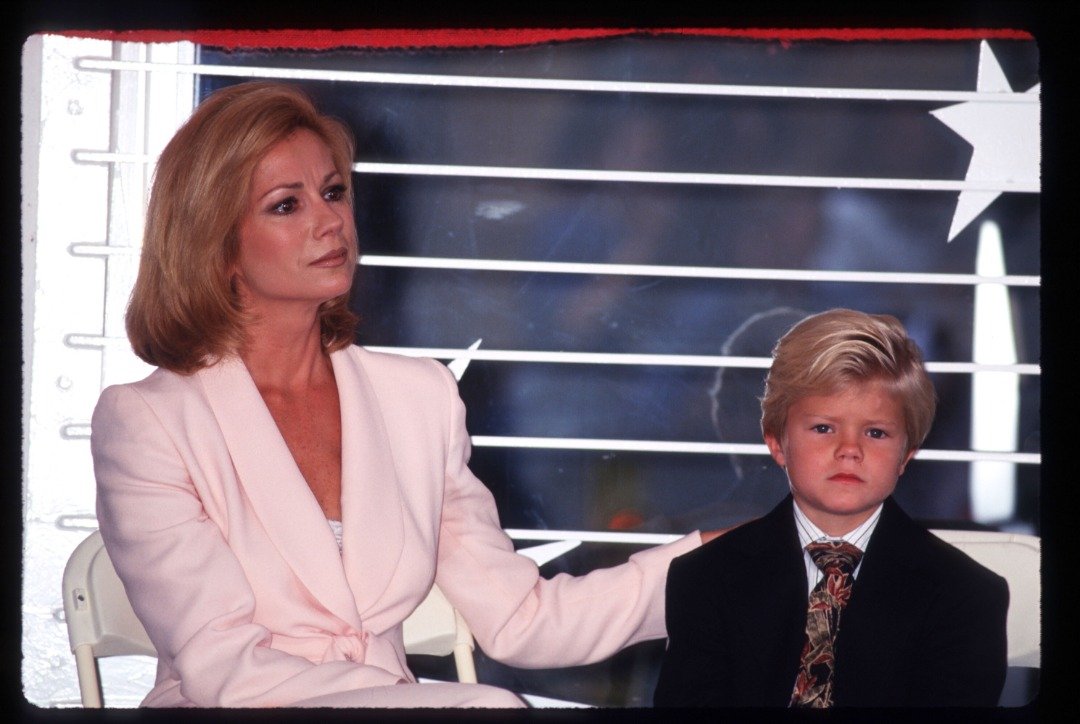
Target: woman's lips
<point>332,259</point>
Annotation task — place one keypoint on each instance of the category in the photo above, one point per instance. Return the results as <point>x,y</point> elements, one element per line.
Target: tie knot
<point>835,557</point>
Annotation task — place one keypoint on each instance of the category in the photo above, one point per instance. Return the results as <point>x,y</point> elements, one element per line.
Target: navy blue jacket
<point>925,625</point>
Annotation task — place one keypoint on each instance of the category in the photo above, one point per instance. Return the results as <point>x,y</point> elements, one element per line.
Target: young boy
<point>900,618</point>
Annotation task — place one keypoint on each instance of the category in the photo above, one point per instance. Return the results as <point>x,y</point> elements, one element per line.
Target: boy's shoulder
<point>753,563</point>
<point>749,543</point>
<point>912,547</point>
<point>899,540</point>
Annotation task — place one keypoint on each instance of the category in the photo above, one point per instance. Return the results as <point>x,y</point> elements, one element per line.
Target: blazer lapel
<point>275,486</point>
<point>371,505</point>
<point>783,622</point>
<point>887,584</point>
<point>886,601</point>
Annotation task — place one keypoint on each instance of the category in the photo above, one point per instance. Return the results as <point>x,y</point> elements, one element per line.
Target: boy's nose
<point>848,447</point>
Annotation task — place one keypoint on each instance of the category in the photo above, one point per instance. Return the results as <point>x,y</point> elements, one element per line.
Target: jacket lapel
<point>275,486</point>
<point>886,601</point>
<point>783,622</point>
<point>371,505</point>
<point>887,584</point>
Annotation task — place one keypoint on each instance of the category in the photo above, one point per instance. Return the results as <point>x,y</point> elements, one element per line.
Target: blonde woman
<point>278,500</point>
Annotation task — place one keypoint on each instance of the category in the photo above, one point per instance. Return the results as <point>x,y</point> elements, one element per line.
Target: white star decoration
<point>460,364</point>
<point>1005,139</point>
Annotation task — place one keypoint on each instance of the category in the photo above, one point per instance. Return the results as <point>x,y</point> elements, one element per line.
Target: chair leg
<point>466,668</point>
<point>463,650</point>
<point>89,682</point>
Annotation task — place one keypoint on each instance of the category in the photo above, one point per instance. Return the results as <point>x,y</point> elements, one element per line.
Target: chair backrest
<point>437,628</point>
<point>99,618</point>
<point>100,621</point>
<point>1014,557</point>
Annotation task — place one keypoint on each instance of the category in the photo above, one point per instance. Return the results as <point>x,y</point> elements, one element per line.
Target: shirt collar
<point>859,537</point>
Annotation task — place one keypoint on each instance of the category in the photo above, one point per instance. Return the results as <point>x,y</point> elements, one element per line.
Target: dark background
<point>647,223</point>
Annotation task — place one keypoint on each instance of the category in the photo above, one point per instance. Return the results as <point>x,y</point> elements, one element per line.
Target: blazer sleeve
<point>964,657</point>
<point>517,616</point>
<point>184,582</point>
<point>694,668</point>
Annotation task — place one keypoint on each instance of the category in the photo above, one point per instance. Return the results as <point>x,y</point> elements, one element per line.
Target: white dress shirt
<point>810,533</point>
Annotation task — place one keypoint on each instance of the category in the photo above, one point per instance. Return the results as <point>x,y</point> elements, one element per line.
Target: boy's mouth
<point>846,478</point>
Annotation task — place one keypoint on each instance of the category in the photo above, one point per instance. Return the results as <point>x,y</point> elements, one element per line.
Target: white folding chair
<point>100,622</point>
<point>99,618</point>
<point>1014,557</point>
<point>437,628</point>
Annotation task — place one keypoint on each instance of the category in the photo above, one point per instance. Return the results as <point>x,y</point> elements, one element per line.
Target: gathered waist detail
<point>325,647</point>
<point>350,647</point>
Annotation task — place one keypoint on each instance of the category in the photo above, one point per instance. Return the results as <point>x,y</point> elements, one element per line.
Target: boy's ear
<point>775,449</point>
<point>905,460</point>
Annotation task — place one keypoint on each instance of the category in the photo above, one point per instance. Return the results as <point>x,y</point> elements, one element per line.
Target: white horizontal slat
<point>560,84</point>
<point>655,270</point>
<point>660,177</point>
<point>713,448</point>
<point>590,536</point>
<point>690,272</point>
<point>78,431</point>
<point>96,341</point>
<point>709,179</point>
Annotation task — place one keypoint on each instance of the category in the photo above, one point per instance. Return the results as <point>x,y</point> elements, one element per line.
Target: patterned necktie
<point>837,560</point>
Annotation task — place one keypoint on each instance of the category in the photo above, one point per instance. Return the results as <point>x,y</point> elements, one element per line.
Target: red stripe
<point>474,37</point>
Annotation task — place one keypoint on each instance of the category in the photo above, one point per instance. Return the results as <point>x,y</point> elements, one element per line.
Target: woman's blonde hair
<point>184,312</point>
<point>826,352</point>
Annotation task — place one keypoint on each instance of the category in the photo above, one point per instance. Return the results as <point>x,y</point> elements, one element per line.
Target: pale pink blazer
<point>229,562</point>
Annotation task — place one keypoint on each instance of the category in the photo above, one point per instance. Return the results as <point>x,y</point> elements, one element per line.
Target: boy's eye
<point>877,433</point>
<point>822,428</point>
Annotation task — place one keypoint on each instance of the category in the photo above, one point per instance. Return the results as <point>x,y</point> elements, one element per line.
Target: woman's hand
<point>708,535</point>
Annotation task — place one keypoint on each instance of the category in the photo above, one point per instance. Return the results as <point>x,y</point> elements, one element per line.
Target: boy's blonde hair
<point>826,352</point>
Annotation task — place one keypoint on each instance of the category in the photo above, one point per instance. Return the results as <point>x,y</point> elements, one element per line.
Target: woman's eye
<point>335,193</point>
<point>285,206</point>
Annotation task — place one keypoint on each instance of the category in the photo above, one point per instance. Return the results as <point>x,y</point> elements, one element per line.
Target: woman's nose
<point>331,217</point>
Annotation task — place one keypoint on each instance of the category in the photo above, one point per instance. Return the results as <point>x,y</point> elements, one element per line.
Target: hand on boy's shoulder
<point>710,535</point>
